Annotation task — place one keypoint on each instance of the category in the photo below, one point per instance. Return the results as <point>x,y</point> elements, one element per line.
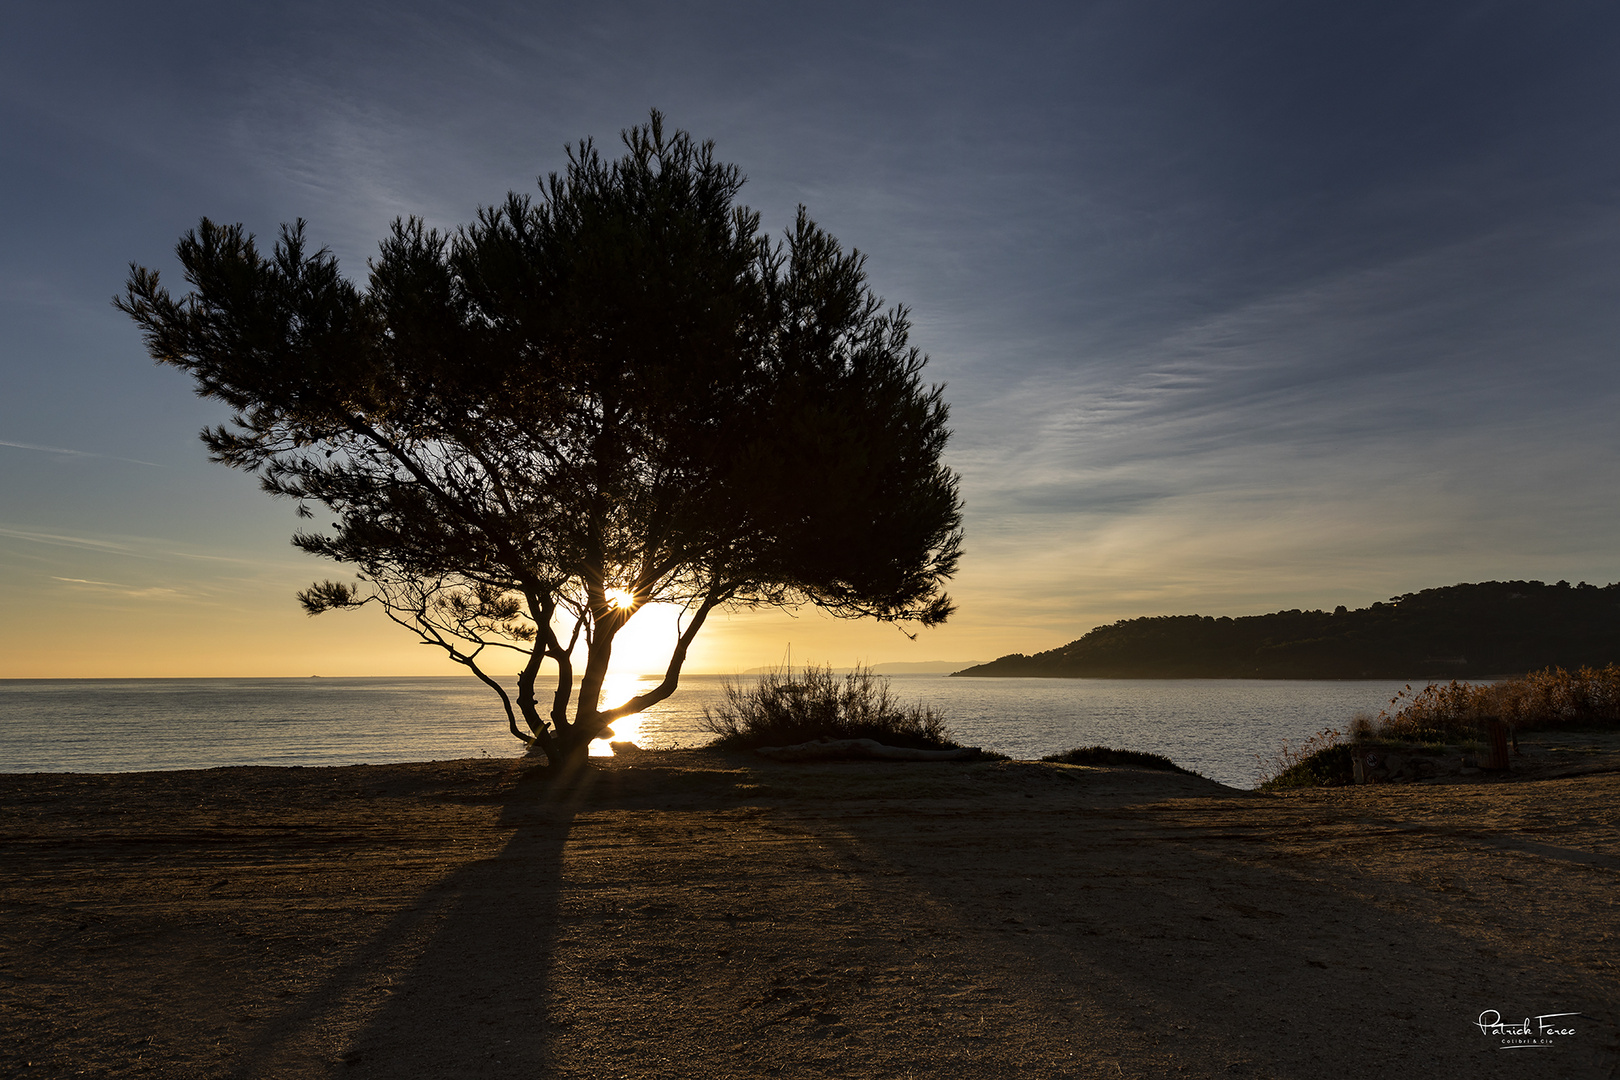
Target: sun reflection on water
<point>616,690</point>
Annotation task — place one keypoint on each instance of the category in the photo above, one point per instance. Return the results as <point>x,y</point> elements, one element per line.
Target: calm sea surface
<point>1215,726</point>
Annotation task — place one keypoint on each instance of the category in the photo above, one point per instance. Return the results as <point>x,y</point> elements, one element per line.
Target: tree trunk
<point>571,755</point>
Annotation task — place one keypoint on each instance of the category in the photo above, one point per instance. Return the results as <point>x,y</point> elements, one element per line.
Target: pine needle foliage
<point>617,388</point>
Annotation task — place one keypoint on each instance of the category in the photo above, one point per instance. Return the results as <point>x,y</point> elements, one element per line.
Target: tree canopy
<point>615,394</point>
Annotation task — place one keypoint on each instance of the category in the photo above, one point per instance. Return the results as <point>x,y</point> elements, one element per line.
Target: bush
<point>1330,766</point>
<point>1363,727</point>
<point>1455,712</point>
<point>1554,698</point>
<point>786,707</point>
<point>1107,756</point>
<point>1323,760</point>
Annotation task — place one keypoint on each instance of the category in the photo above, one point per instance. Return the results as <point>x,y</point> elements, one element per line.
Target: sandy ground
<point>690,914</point>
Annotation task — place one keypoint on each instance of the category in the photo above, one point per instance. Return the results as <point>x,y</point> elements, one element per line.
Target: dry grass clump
<point>1452,713</point>
<point>1554,698</point>
<point>786,707</point>
<point>1107,756</point>
<point>1323,760</point>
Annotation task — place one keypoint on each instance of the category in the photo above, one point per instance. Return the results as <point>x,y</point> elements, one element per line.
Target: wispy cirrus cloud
<point>143,547</point>
<point>64,540</point>
<point>139,592</point>
<point>1240,306</point>
<point>65,452</point>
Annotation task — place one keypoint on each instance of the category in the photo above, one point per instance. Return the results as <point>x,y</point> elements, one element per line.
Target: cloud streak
<point>77,453</point>
<point>62,540</point>
<point>1239,306</point>
<point>133,592</point>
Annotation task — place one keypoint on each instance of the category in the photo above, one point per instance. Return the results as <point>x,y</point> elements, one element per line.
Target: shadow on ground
<point>694,913</point>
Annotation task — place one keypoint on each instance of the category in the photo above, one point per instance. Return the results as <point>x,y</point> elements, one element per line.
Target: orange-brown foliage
<point>1553,698</point>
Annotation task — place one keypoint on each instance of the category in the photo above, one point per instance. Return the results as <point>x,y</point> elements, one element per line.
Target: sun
<point>623,599</point>
<point>643,645</point>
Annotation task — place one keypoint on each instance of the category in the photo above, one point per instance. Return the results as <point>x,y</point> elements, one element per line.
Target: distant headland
<point>1493,628</point>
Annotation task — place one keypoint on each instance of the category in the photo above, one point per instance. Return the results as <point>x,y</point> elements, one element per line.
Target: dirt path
<point>689,914</point>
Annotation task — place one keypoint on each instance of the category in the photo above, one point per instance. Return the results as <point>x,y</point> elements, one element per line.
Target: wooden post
<point>1496,748</point>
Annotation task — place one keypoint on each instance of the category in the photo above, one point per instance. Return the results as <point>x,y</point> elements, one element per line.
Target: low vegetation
<point>1452,713</point>
<point>1554,698</point>
<point>787,707</point>
<point>1107,756</point>
<point>1323,760</point>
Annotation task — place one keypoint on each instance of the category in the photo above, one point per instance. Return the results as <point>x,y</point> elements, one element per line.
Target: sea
<point>1227,729</point>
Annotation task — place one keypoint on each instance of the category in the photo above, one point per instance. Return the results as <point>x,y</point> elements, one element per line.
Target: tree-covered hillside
<point>1462,631</point>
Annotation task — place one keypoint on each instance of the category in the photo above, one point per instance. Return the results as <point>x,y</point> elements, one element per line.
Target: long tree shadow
<point>1155,944</point>
<point>454,984</point>
<point>823,931</point>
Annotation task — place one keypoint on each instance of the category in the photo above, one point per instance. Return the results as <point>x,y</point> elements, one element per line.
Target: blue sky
<point>1240,306</point>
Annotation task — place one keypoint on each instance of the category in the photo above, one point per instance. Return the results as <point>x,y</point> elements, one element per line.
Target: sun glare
<point>641,653</point>
<point>616,691</point>
<point>623,599</point>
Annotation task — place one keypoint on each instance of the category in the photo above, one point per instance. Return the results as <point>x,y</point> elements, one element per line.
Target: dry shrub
<point>1323,759</point>
<point>1363,727</point>
<point>786,707</point>
<point>1449,713</point>
<point>1554,698</point>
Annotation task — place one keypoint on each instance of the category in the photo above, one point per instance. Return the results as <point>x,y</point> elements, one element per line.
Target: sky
<point>1239,306</point>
